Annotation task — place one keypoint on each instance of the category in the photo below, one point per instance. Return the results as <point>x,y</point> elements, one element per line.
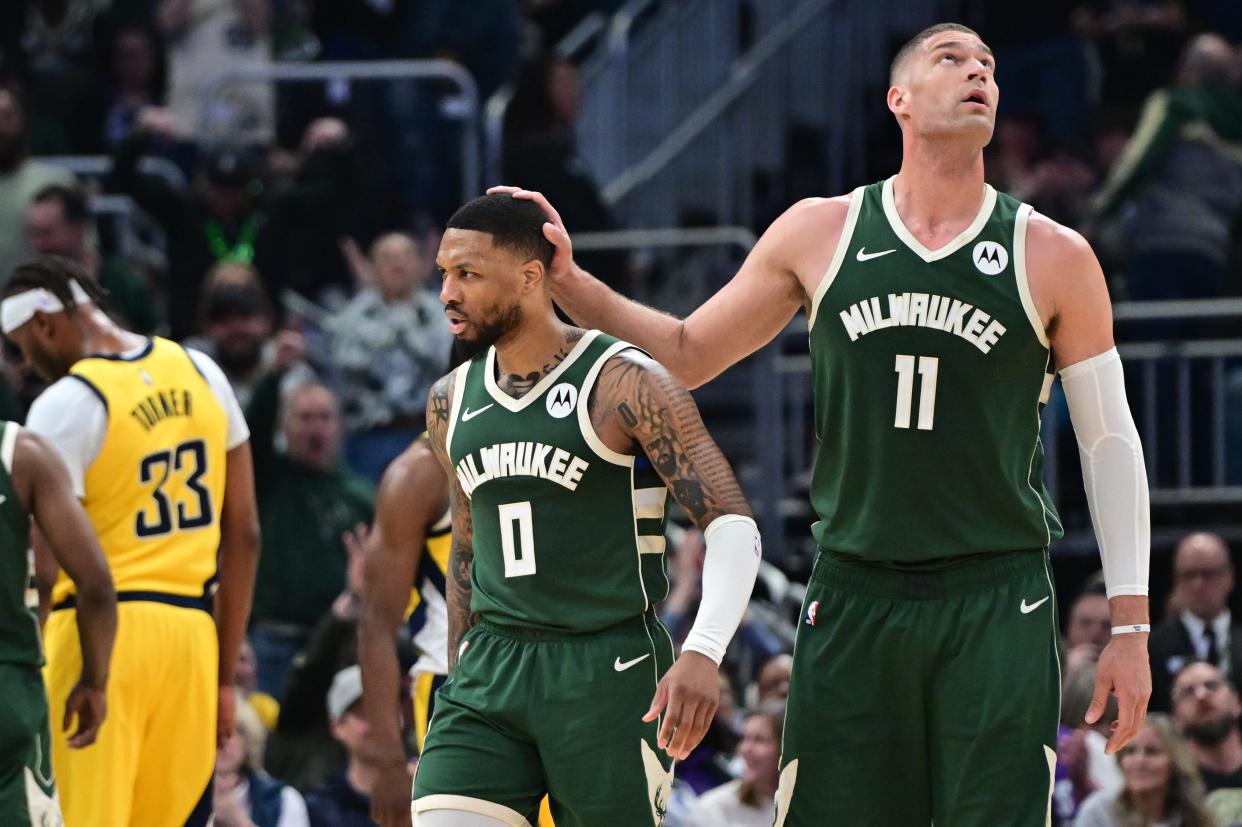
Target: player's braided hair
<point>54,273</point>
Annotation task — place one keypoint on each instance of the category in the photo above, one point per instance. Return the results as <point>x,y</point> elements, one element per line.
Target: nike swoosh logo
<point>468,414</point>
<point>621,667</point>
<point>3,499</point>
<point>863,255</point>
<point>1026,610</point>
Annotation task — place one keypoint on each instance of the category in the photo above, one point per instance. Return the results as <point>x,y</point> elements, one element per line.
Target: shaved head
<point>915,43</point>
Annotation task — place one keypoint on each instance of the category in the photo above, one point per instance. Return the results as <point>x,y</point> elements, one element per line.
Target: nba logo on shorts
<point>811,611</point>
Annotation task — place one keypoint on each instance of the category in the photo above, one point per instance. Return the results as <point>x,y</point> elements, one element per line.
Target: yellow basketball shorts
<point>153,762</point>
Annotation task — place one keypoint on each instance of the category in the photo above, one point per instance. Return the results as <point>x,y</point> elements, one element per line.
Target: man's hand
<point>226,714</point>
<point>394,787</point>
<point>554,231</point>
<point>689,694</point>
<point>1124,671</point>
<point>90,706</point>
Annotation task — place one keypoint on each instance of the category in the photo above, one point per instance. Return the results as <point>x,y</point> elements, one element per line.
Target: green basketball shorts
<point>923,697</point>
<point>528,713</point>
<point>27,789</point>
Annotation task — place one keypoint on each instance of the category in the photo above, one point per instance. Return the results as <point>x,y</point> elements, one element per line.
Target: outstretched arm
<point>637,397</point>
<point>458,587</point>
<point>742,317</point>
<point>69,536</point>
<point>412,495</point>
<point>239,561</point>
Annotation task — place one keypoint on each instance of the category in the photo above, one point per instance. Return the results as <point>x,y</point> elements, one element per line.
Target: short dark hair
<point>513,223</point>
<point>54,273</point>
<point>72,199</point>
<point>904,53</point>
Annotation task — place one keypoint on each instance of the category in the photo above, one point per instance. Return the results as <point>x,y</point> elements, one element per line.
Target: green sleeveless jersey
<point>19,626</point>
<point>568,534</point>
<point>931,369</point>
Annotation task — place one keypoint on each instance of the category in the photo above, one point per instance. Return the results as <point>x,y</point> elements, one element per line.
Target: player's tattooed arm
<point>654,409</point>
<point>461,553</point>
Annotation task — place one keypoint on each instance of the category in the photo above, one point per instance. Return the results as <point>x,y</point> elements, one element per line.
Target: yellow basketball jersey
<point>433,566</point>
<point>155,491</point>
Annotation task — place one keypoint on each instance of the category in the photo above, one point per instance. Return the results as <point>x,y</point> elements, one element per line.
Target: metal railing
<point>389,70</point>
<point>1188,392</point>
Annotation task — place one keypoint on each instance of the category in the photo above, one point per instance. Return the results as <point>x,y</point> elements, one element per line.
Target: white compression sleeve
<point>730,566</point>
<point>1113,470</point>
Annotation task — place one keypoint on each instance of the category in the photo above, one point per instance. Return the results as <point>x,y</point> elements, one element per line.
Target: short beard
<point>1210,733</point>
<point>491,331</point>
<point>239,362</point>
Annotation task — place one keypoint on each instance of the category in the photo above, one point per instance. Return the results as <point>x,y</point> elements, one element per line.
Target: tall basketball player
<point>938,310</point>
<point>562,446</point>
<point>158,453</point>
<point>35,485</point>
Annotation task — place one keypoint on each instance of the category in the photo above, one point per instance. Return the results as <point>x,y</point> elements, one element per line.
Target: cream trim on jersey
<point>649,502</point>
<point>1030,466</point>
<point>965,237</point>
<point>466,804</point>
<point>1019,270</point>
<point>838,256</point>
<point>9,446</point>
<point>518,405</point>
<point>459,391</point>
<point>584,408</point>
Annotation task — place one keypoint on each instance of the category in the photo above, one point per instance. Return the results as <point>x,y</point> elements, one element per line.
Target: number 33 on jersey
<point>155,489</point>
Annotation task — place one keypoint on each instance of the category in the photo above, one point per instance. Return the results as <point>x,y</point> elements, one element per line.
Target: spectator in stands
<point>1088,630</point>
<point>245,795</point>
<point>220,220</point>
<point>1203,630</point>
<point>1183,172</point>
<point>57,224</point>
<point>246,680</point>
<point>20,179</point>
<point>1083,757</point>
<point>390,343</point>
<point>1206,710</point>
<point>773,680</point>
<point>748,801</point>
<point>1162,785</point>
<point>343,800</point>
<point>236,329</point>
<point>132,75</point>
<point>540,151</point>
<point>325,197</point>
<point>207,39</point>
<point>307,500</point>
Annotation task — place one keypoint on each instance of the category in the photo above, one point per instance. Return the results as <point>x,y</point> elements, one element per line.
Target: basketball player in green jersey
<point>34,483</point>
<point>561,446</point>
<point>925,683</point>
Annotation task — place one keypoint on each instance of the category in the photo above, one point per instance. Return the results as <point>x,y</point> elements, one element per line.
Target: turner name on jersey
<point>923,310</point>
<point>520,459</point>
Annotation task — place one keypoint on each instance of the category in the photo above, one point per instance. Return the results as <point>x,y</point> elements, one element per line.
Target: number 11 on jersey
<point>928,367</point>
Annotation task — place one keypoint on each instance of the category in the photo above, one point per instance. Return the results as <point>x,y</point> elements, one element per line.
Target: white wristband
<point>1133,628</point>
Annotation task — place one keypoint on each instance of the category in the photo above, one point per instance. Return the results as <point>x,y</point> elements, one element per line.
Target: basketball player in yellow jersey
<point>409,543</point>
<point>159,454</point>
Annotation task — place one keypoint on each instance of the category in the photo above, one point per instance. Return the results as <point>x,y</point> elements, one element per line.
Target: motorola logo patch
<point>989,257</point>
<point>561,400</point>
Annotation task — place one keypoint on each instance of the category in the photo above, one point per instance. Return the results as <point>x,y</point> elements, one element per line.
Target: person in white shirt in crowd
<point>245,795</point>
<point>389,344</point>
<point>1203,629</point>
<point>1162,787</point>
<point>748,801</point>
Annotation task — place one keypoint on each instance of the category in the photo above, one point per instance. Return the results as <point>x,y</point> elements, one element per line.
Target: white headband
<point>20,308</point>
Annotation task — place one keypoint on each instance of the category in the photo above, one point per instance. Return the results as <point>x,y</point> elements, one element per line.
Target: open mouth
<point>456,321</point>
<point>979,97</point>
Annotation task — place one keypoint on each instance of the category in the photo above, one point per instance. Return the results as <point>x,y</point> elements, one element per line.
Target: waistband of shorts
<point>182,601</point>
<point>956,576</point>
<point>636,624</point>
